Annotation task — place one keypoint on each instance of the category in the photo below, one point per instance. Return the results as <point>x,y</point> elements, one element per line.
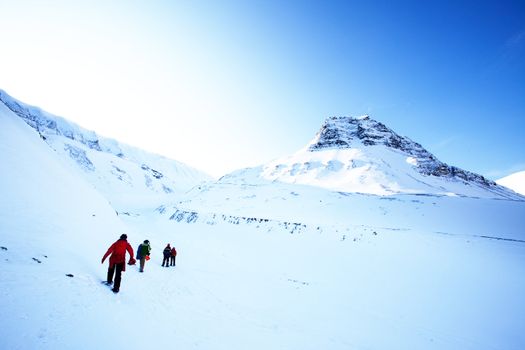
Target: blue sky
<point>227,84</point>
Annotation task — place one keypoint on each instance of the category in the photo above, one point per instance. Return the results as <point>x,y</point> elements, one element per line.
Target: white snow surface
<point>515,182</point>
<point>261,265</point>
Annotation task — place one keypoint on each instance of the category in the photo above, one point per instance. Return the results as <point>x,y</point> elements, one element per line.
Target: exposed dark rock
<point>156,174</point>
<point>188,216</point>
<point>166,189</point>
<point>192,217</point>
<point>93,144</point>
<point>161,209</point>
<point>79,156</point>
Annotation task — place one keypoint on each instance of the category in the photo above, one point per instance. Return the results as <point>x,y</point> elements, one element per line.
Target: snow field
<point>391,290</point>
<point>239,288</point>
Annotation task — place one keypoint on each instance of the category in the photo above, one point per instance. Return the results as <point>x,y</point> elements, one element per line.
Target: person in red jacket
<point>173,256</point>
<point>117,260</point>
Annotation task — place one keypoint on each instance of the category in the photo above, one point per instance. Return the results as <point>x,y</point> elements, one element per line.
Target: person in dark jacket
<point>117,260</point>
<point>143,251</point>
<point>167,255</point>
<point>173,256</point>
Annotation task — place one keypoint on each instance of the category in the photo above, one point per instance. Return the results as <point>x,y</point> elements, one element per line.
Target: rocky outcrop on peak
<point>344,132</point>
<point>348,132</point>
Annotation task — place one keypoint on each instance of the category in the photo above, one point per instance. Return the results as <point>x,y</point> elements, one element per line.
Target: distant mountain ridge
<point>123,173</point>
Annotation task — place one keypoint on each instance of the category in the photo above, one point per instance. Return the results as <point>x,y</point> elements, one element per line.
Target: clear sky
<point>222,85</point>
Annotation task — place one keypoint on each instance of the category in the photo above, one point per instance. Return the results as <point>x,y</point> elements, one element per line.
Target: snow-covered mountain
<point>363,155</point>
<point>515,182</point>
<point>126,175</point>
<point>356,173</point>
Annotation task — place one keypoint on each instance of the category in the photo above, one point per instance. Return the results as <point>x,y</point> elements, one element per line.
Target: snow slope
<point>237,286</point>
<point>127,176</point>
<point>51,222</point>
<point>308,208</point>
<point>515,182</point>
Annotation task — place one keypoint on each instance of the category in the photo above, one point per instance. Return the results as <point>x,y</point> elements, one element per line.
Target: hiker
<point>173,256</point>
<point>117,260</point>
<point>143,252</point>
<point>167,255</point>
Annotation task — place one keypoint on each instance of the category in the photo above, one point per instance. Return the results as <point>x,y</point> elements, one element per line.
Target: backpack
<point>144,249</point>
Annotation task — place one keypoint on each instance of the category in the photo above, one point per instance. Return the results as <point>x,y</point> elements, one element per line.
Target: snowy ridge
<point>124,174</point>
<point>45,123</point>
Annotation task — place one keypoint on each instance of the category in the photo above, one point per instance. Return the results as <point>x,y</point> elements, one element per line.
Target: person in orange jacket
<point>117,260</point>
<point>173,256</point>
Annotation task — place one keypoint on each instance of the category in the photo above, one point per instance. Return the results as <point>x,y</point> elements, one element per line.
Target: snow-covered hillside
<point>515,182</point>
<point>126,175</point>
<point>51,223</point>
<point>299,208</point>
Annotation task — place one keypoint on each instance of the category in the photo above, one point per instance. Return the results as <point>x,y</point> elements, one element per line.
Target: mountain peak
<point>360,154</point>
<point>346,132</point>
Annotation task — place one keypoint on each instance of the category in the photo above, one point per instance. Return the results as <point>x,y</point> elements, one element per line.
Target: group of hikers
<point>117,260</point>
